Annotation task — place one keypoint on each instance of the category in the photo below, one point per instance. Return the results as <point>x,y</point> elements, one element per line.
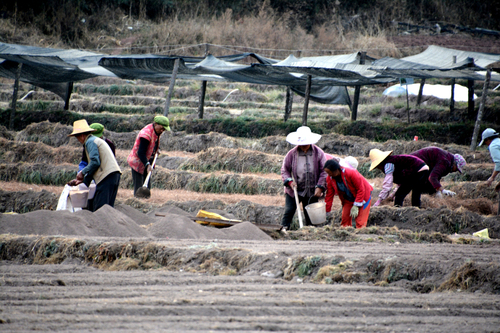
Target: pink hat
<point>460,162</point>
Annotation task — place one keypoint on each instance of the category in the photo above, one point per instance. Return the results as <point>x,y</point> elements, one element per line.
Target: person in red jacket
<point>353,190</point>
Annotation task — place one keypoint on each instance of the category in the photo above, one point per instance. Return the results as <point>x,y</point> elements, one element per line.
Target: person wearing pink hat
<point>302,169</point>
<point>440,164</point>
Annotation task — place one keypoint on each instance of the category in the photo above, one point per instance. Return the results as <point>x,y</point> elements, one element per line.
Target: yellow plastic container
<point>210,215</point>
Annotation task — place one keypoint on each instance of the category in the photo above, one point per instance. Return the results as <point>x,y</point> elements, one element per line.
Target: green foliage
<point>306,266</point>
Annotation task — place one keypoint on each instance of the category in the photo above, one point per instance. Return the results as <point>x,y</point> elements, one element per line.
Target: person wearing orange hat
<point>407,171</point>
<point>102,167</point>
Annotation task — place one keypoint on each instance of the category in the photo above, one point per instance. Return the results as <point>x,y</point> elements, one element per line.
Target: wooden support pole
<point>288,102</point>
<point>69,90</point>
<point>306,101</point>
<point>14,96</point>
<point>171,87</point>
<point>201,104</point>
<point>480,112</point>
<point>470,86</point>
<point>420,92</point>
<point>452,98</point>
<point>357,91</point>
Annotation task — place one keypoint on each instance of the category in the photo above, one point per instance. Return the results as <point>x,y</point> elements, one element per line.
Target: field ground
<point>410,270</point>
<point>76,297</point>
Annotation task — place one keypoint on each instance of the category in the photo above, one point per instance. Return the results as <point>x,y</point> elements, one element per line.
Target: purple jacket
<point>440,163</point>
<point>289,167</point>
<point>405,167</point>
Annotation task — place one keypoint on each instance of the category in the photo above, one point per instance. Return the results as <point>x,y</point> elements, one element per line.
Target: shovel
<point>144,191</point>
<point>301,224</point>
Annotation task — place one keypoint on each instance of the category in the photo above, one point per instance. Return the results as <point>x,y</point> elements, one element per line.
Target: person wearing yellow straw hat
<point>302,169</point>
<point>102,167</point>
<point>407,171</point>
<point>146,146</point>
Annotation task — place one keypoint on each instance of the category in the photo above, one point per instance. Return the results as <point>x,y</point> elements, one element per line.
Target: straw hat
<point>377,156</point>
<point>81,126</point>
<point>302,137</point>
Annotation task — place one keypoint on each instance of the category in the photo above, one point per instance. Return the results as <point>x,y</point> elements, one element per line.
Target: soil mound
<point>52,134</point>
<point>105,222</point>
<point>238,160</point>
<point>135,215</point>
<point>20,151</point>
<point>27,201</point>
<point>441,220</point>
<point>174,226</point>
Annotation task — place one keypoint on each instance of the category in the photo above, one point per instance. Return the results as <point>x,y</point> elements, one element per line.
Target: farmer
<point>99,131</point>
<point>490,137</point>
<point>440,164</point>
<point>146,146</point>
<point>353,190</point>
<point>407,171</point>
<point>302,169</point>
<point>102,168</point>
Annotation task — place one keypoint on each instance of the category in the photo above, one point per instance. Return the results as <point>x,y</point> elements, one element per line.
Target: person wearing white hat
<point>490,137</point>
<point>407,171</point>
<point>302,169</point>
<point>102,167</point>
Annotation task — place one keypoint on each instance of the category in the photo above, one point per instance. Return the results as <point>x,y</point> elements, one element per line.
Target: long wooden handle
<point>301,224</point>
<point>149,173</point>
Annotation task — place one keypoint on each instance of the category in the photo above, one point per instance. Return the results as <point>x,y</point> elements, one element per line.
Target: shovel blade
<point>143,192</point>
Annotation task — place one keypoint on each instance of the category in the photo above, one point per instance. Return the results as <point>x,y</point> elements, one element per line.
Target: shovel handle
<point>301,224</point>
<point>149,173</point>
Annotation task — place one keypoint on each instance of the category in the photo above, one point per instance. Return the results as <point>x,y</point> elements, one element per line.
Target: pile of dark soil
<point>121,222</point>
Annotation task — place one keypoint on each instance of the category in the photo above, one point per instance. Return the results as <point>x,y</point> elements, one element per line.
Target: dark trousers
<point>416,185</point>
<point>291,207</point>
<point>106,190</point>
<point>139,179</point>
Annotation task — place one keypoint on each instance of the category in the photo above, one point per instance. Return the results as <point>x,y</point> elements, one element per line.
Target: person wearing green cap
<point>99,131</point>
<point>147,144</point>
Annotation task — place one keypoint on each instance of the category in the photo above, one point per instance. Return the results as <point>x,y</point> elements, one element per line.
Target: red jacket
<point>357,184</point>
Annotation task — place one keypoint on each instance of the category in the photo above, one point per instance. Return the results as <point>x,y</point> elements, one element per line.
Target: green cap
<point>162,120</point>
<point>99,129</point>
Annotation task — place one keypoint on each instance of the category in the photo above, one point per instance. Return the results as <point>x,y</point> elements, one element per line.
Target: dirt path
<point>76,297</point>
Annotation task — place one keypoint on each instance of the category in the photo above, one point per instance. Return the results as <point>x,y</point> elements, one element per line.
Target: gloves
<point>439,195</point>
<point>377,203</point>
<point>354,211</point>
<point>450,193</point>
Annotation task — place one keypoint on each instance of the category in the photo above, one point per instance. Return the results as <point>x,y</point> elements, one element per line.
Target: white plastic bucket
<point>79,198</point>
<point>317,212</point>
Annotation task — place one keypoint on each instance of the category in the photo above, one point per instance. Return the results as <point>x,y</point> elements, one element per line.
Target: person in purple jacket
<point>407,171</point>
<point>303,169</point>
<point>440,164</point>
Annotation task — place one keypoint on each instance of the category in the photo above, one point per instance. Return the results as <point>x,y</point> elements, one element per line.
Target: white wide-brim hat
<point>303,136</point>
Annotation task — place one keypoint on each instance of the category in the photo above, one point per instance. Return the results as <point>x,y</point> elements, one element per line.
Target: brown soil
<point>190,285</point>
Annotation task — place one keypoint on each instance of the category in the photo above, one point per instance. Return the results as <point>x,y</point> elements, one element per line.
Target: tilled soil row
<point>55,134</point>
<point>436,267</point>
<point>55,297</point>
